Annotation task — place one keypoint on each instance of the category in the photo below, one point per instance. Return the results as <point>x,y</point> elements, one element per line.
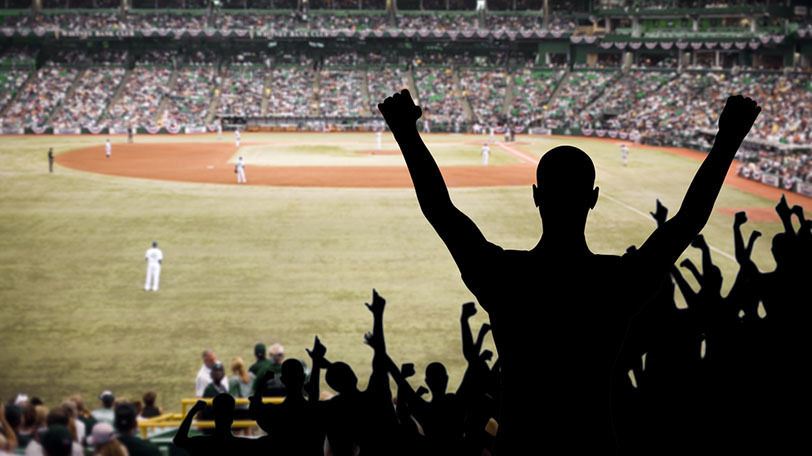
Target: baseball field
<point>296,252</point>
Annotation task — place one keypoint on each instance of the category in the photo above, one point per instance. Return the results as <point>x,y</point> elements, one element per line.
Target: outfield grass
<point>247,263</point>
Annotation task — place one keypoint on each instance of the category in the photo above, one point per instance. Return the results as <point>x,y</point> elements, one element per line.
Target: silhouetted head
<point>293,375</point>
<point>223,405</point>
<point>564,191</point>
<point>340,377</point>
<point>436,379</point>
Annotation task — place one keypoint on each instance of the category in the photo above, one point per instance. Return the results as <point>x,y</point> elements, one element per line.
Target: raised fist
<point>740,218</point>
<point>738,116</point>
<point>399,111</point>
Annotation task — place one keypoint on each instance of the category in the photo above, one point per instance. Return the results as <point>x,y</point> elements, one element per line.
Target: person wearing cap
<point>219,383</point>
<point>204,374</point>
<point>104,442</point>
<point>274,387</point>
<point>155,258</point>
<point>262,361</point>
<point>56,441</point>
<point>105,413</point>
<point>126,423</point>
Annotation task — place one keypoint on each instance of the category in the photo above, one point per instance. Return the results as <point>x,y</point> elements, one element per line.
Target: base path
<point>208,163</point>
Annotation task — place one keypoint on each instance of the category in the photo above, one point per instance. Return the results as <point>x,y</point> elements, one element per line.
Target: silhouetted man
<point>559,312</point>
<point>221,441</point>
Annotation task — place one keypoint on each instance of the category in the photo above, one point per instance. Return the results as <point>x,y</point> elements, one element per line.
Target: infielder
<point>426,126</point>
<point>624,154</point>
<point>108,148</point>
<point>239,169</point>
<point>378,140</point>
<point>237,137</point>
<point>220,130</point>
<point>154,260</point>
<point>486,151</point>
<point>51,160</point>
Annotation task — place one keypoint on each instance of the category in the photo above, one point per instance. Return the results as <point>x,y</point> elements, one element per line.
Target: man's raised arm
<point>455,229</point>
<point>666,244</point>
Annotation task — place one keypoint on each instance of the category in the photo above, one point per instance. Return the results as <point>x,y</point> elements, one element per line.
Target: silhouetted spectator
<point>126,423</point>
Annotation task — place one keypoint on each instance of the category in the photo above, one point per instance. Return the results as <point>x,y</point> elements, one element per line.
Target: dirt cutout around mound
<point>208,163</point>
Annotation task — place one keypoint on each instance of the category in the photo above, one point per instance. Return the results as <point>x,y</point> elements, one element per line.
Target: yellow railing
<point>175,419</point>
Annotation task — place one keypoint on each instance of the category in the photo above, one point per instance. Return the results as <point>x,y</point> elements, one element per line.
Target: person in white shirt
<point>624,153</point>
<point>108,148</point>
<point>378,140</point>
<point>239,168</point>
<point>204,374</point>
<point>237,137</point>
<point>486,151</point>
<point>219,129</point>
<point>154,258</point>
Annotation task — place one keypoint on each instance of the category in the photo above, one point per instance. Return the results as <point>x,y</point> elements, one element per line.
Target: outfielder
<point>154,260</point>
<point>486,151</point>
<point>237,137</point>
<point>624,153</point>
<point>108,148</point>
<point>239,168</point>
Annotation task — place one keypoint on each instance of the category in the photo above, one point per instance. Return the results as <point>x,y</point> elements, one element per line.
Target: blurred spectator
<point>83,414</point>
<point>105,413</point>
<point>104,442</point>
<point>204,374</point>
<point>126,423</point>
<point>262,360</point>
<point>219,382</point>
<point>150,410</point>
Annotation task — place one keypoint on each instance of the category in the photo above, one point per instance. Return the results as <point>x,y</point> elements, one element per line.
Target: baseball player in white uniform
<point>237,137</point>
<point>486,151</point>
<point>154,259</point>
<point>108,148</point>
<point>219,130</point>
<point>239,168</point>
<point>624,154</point>
<point>378,136</point>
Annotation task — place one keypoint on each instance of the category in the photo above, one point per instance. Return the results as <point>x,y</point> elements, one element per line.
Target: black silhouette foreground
<point>559,313</point>
<point>594,355</point>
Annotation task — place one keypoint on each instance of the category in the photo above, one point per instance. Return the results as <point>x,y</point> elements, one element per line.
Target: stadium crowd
<point>89,99</point>
<point>140,98</point>
<point>39,98</point>
<point>190,99</point>
<point>242,93</point>
<point>340,93</point>
<point>701,376</point>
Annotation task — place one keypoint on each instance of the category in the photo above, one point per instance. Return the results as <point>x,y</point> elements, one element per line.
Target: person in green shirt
<point>262,361</point>
<point>127,426</point>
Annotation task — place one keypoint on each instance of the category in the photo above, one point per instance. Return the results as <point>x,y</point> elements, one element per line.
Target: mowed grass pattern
<point>245,264</point>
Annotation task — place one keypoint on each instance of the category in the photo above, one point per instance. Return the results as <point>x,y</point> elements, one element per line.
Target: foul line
<point>518,154</point>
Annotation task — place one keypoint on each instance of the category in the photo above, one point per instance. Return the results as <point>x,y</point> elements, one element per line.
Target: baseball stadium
<point>242,140</point>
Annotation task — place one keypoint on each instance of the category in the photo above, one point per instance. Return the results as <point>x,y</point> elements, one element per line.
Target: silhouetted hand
<point>699,242</point>
<point>738,116</point>
<point>687,263</point>
<point>421,391</point>
<point>468,310</point>
<point>407,370</point>
<point>661,213</point>
<point>373,340</point>
<point>399,111</point>
<point>199,405</point>
<point>782,208</point>
<point>740,218</point>
<point>378,304</point>
<point>486,355</point>
<point>318,352</point>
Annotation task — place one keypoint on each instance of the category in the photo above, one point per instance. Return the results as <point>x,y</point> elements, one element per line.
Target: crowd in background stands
<point>578,93</point>
<point>89,99</point>
<point>242,93</point>
<point>291,91</point>
<point>532,90</point>
<point>189,100</point>
<point>158,57</point>
<point>623,94</point>
<point>140,98</point>
<point>40,97</point>
<point>10,82</point>
<point>343,59</point>
<point>485,92</point>
<point>340,94</point>
<point>383,82</point>
<point>286,22</point>
<point>18,56</point>
<point>438,97</point>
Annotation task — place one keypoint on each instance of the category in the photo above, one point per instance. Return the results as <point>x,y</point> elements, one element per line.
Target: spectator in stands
<point>56,441</point>
<point>150,410</point>
<point>219,382</point>
<point>33,419</point>
<point>69,407</point>
<point>105,413</point>
<point>126,423</point>
<point>240,385</point>
<point>204,374</point>
<point>56,421</point>
<point>104,441</point>
<point>83,414</point>
<point>8,438</point>
<point>262,360</point>
<point>274,386</point>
